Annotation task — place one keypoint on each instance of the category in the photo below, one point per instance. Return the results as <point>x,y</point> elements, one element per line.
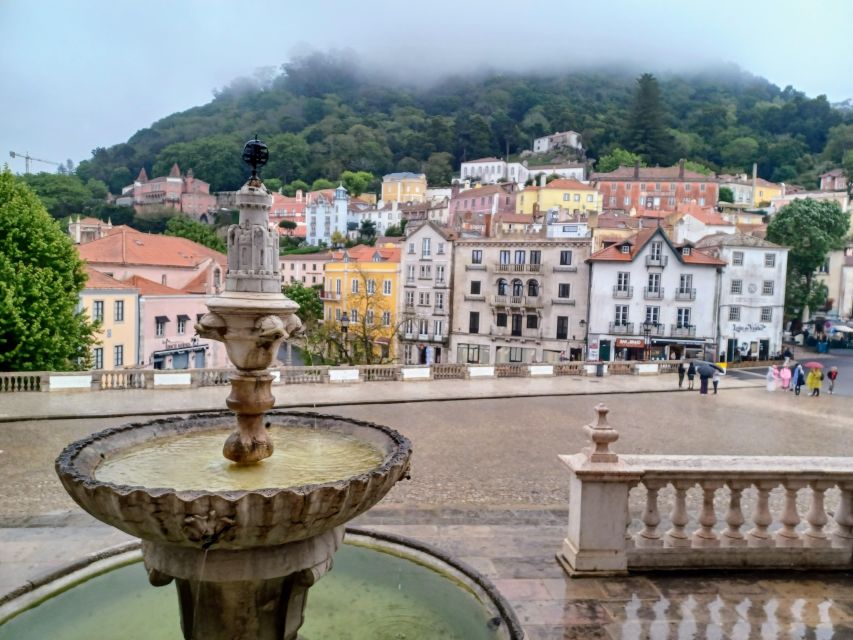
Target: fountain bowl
<point>230,520</point>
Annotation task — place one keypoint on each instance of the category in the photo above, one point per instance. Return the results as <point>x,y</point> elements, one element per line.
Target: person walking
<point>785,377</point>
<point>691,374</point>
<point>715,379</point>
<point>832,375</point>
<point>682,369</point>
<point>771,379</point>
<point>798,379</point>
<point>813,382</point>
<point>704,375</point>
<point>787,355</point>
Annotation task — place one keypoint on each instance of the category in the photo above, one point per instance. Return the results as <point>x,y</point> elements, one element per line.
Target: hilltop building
<point>655,188</point>
<point>833,180</point>
<point>185,193</point>
<point>404,187</point>
<point>494,170</point>
<point>87,229</point>
<point>559,140</point>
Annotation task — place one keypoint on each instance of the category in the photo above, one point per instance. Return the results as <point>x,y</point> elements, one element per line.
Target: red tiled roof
<point>150,288</point>
<point>97,280</point>
<point>639,240</point>
<point>652,173</point>
<point>513,217</point>
<point>365,253</point>
<point>708,217</point>
<point>485,190</point>
<point>128,246</point>
<point>88,221</point>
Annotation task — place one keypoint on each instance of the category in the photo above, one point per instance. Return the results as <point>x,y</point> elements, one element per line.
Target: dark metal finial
<point>256,154</point>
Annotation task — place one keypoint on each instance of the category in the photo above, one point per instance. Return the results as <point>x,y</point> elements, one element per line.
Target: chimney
<point>681,169</point>
<point>543,180</point>
<point>637,169</point>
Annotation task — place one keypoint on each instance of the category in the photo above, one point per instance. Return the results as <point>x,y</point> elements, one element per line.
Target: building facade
<point>752,295</point>
<point>185,193</point>
<point>833,180</point>
<point>404,186</point>
<point>652,299</point>
<point>491,198</point>
<point>84,230</point>
<point>325,216</point>
<point>427,280</point>
<point>655,188</point>
<point>388,214</point>
<point>561,139</point>
<point>309,269</point>
<point>115,306</point>
<point>568,196</point>
<point>519,298</point>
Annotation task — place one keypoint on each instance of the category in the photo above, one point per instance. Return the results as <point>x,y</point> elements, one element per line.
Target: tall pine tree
<point>646,131</point>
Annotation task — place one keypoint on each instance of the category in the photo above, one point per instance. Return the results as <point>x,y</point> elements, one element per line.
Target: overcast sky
<point>77,74</point>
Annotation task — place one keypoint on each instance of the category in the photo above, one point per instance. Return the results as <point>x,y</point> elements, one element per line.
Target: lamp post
<point>648,328</point>
<point>344,329</point>
<point>582,325</point>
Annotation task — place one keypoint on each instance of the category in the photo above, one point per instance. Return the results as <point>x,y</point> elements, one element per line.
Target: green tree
<point>290,156</point>
<point>367,230</point>
<point>393,231</point>
<point>847,165</point>
<point>61,195</point>
<point>308,299</point>
<point>811,228</point>
<point>185,227</point>
<point>322,183</point>
<point>41,277</point>
<point>297,185</point>
<point>439,169</point>
<point>289,225</point>
<point>338,239</point>
<point>356,182</point>
<point>646,130</point>
<point>726,195</point>
<point>838,142</point>
<point>273,184</point>
<point>698,167</point>
<point>740,152</point>
<point>617,158</point>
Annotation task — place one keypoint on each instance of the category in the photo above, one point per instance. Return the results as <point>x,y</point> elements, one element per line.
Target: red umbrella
<point>813,365</point>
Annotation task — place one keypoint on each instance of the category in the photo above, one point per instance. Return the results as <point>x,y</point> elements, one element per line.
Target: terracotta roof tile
<point>97,280</point>
<point>150,288</point>
<point>128,246</point>
<point>652,173</point>
<point>639,240</point>
<point>365,253</point>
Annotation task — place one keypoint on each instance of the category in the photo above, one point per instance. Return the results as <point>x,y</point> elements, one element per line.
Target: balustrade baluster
<point>629,539</point>
<point>787,536</point>
<point>732,537</point>
<point>677,536</point>
<point>759,536</point>
<point>649,536</point>
<point>705,536</point>
<point>816,517</point>
<point>843,534</point>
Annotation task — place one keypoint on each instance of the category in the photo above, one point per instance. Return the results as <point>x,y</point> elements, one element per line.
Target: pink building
<point>309,269</point>
<point>182,192</point>
<point>491,199</point>
<point>167,337</point>
<point>833,180</point>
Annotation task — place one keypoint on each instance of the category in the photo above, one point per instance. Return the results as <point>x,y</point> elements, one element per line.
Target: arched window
<point>517,288</point>
<point>532,288</point>
<point>502,287</point>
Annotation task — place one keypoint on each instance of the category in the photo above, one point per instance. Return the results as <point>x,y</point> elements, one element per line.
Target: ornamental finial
<point>256,154</point>
<point>602,435</point>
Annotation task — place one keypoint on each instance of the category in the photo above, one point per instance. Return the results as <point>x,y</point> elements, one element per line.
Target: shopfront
<point>180,356</point>
<point>630,349</point>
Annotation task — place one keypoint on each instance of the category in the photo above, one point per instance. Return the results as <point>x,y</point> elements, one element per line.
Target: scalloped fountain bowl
<point>243,558</point>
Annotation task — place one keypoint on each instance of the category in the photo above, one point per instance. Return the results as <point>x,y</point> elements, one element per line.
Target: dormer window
<point>625,248</point>
<point>377,258</point>
<point>685,251</point>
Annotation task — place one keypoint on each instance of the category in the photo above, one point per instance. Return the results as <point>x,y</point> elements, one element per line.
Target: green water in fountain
<point>369,595</point>
<point>194,461</point>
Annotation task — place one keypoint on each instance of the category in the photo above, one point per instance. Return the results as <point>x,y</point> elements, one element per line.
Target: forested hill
<point>322,116</point>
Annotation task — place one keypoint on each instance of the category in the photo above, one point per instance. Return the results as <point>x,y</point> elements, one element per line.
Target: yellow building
<point>569,195</point>
<point>764,192</point>
<point>362,283</point>
<point>404,187</point>
<point>115,305</point>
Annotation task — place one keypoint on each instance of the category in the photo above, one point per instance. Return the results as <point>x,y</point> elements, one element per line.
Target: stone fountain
<point>242,559</point>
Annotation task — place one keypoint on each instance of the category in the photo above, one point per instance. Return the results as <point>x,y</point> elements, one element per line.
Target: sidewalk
<point>105,404</point>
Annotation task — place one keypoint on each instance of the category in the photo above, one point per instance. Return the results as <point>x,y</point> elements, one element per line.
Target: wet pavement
<point>488,489</point>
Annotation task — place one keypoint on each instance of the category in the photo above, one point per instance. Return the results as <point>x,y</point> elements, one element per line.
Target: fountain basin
<point>228,519</point>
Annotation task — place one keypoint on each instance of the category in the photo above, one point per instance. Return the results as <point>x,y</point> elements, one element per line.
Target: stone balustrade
<point>702,521</point>
<point>122,379</point>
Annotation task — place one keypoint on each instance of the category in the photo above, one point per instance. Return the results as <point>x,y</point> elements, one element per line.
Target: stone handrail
<point>785,526</point>
<point>123,379</point>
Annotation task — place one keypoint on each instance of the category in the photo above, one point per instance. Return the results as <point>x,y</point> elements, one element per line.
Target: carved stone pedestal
<point>250,398</point>
<point>257,594</point>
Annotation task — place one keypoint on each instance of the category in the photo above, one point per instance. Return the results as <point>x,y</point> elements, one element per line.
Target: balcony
<point>517,301</point>
<point>564,268</point>
<point>656,261</point>
<point>653,294</point>
<point>686,331</point>
<point>423,337</point>
<point>654,328</point>
<point>475,297</point>
<point>685,294</point>
<point>329,295</point>
<point>440,311</point>
<point>623,292</point>
<point>505,267</point>
<point>475,267</point>
<point>566,301</point>
<point>623,328</point>
<point>438,338</point>
<point>441,284</point>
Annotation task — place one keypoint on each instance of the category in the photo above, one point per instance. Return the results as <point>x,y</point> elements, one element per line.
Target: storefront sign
<point>749,327</point>
<point>630,343</point>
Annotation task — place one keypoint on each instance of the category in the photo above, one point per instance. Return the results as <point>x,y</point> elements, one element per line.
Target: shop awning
<point>681,341</point>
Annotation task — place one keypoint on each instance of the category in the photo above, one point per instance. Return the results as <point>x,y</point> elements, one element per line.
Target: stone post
<point>598,502</point>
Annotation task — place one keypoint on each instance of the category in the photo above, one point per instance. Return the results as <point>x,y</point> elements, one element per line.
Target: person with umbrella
<point>798,379</point>
<point>815,378</point>
<point>706,371</point>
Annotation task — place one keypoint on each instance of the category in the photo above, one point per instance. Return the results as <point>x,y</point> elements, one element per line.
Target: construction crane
<point>28,159</point>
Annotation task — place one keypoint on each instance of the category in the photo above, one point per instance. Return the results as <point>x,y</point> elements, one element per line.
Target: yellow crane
<point>28,160</point>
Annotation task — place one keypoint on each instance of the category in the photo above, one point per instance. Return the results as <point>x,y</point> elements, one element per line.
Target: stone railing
<point>125,379</point>
<point>704,497</point>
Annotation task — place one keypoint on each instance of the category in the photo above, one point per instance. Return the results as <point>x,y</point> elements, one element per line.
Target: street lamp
<point>344,329</point>
<point>648,328</point>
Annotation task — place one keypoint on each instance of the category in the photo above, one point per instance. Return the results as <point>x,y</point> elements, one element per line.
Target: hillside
<point>322,116</point>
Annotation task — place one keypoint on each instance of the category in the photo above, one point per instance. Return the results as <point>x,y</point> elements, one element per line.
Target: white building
<point>570,139</point>
<point>698,223</point>
<point>494,170</point>
<point>324,216</point>
<point>652,299</point>
<point>752,295</point>
<point>307,268</point>
<point>427,272</point>
<point>566,170</point>
<point>382,215</point>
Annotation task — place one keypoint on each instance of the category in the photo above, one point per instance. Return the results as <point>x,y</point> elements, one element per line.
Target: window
<point>371,286</point>
<point>426,271</point>
<point>657,186</point>
<point>532,288</point>
<point>589,198</point>
<point>767,288</point>
<point>474,322</point>
<point>766,314</point>
<point>438,327</point>
<point>625,248</point>
<point>734,313</point>
<point>475,287</point>
<point>532,321</point>
<point>410,298</point>
<point>439,274</point>
<point>355,286</point>
<point>654,283</point>
<point>503,287</point>
<point>182,325</point>
<point>472,354</point>
<point>565,197</point>
<point>520,256</point>
<point>425,248</point>
<point>337,314</point>
<point>562,327</point>
<point>566,258</point>
<point>621,315</point>
<point>564,290</point>
<point>386,318</point>
<point>517,288</point>
<point>477,256</point>
<point>118,356</point>
<point>440,248</point>
<point>423,298</point>
<point>412,248</point>
<point>653,315</point>
<point>500,320</point>
<point>737,287</point>
<point>410,272</point>
<point>98,311</point>
<point>504,256</point>
<point>98,358</point>
<point>577,197</point>
<point>118,311</point>
<point>656,250</point>
<point>702,187</point>
<point>626,201</point>
<point>386,287</point>
<point>535,257</point>
<point>612,201</point>
<point>737,258</point>
<point>338,287</point>
<point>439,301</point>
<point>163,279</point>
<point>370,317</point>
<point>769,259</point>
<point>683,317</point>
<point>623,280</point>
<point>701,202</point>
<point>160,326</point>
